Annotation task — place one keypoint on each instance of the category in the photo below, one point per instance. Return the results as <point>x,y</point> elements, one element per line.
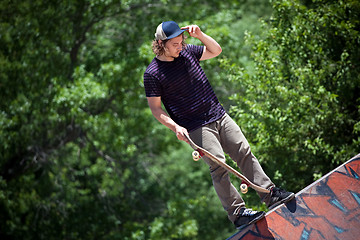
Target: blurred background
<point>82,157</point>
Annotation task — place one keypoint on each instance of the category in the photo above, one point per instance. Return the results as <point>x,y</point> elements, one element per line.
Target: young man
<point>175,78</point>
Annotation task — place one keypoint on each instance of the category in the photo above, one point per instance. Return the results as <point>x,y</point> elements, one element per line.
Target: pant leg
<point>208,137</point>
<point>235,144</point>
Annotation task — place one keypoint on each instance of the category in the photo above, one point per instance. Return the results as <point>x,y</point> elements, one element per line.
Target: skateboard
<point>199,152</point>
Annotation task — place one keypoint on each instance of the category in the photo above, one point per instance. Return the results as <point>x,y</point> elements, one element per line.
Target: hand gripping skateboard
<point>199,152</point>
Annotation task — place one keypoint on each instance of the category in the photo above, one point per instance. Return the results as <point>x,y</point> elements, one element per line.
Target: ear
<point>161,43</point>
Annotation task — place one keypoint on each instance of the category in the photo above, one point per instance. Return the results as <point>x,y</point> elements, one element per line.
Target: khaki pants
<point>222,136</point>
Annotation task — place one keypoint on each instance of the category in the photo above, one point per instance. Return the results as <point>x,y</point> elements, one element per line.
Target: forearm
<point>164,118</point>
<point>211,45</point>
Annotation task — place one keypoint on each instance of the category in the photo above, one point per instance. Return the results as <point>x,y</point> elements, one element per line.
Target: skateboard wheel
<point>196,155</point>
<point>243,188</point>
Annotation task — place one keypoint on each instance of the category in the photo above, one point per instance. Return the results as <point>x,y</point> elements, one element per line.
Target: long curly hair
<point>158,47</point>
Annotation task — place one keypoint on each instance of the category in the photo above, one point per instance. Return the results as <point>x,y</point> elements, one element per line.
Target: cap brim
<point>177,33</point>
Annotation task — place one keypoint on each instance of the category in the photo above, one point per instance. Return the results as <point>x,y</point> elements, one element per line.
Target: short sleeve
<point>152,86</point>
<point>197,51</point>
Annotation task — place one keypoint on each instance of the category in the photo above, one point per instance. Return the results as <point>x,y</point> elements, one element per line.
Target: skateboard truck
<point>197,154</point>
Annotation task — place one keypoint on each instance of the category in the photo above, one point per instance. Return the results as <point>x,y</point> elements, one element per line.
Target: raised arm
<point>163,117</point>
<point>211,49</point>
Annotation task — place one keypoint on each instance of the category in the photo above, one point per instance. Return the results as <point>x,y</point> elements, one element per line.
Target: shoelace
<point>248,212</point>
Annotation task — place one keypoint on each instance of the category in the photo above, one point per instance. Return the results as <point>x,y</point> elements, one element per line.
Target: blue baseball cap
<point>168,30</point>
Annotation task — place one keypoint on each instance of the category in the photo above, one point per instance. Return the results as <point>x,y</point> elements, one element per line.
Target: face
<point>173,47</point>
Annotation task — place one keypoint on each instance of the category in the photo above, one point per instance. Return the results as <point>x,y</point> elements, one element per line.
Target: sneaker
<point>247,217</point>
<point>279,196</point>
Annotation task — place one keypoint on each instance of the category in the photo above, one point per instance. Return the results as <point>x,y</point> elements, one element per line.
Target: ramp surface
<point>327,209</point>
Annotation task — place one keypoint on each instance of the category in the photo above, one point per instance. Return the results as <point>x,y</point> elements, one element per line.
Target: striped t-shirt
<point>184,89</point>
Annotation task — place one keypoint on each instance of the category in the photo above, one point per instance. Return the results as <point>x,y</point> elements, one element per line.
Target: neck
<point>165,58</point>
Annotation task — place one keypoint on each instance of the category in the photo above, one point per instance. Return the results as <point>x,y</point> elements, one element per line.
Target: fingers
<point>180,134</point>
<point>192,29</point>
<point>186,135</point>
<point>183,138</point>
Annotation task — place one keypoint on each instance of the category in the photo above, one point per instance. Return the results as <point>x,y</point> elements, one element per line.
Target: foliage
<point>301,106</point>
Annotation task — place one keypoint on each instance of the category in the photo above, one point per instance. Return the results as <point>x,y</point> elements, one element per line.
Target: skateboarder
<point>176,79</point>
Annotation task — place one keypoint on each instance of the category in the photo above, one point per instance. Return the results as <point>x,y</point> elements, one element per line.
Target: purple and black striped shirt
<point>184,89</point>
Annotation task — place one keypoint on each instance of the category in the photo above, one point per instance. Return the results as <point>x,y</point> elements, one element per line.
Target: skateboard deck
<point>199,151</point>
<point>329,208</point>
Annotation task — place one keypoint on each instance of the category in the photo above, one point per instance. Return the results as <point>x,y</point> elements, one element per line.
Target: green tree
<point>300,107</point>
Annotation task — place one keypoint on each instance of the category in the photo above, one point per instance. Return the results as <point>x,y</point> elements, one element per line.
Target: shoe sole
<point>251,222</point>
<point>288,199</point>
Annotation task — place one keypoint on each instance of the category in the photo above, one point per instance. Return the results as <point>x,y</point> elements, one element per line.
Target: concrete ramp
<point>327,209</point>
